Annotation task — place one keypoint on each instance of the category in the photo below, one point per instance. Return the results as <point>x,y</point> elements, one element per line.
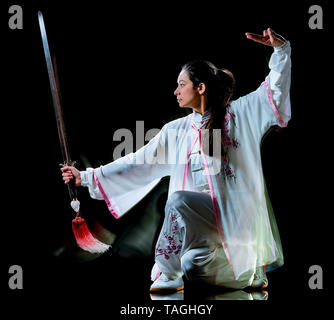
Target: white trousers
<point>189,243</point>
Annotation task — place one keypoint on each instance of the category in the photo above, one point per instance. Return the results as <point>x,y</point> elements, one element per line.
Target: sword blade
<point>55,91</point>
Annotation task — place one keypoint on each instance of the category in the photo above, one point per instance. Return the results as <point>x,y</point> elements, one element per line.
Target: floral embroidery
<point>227,170</point>
<point>172,247</point>
<point>228,143</point>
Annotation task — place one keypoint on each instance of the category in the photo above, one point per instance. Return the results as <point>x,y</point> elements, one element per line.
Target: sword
<point>83,236</point>
<point>57,104</point>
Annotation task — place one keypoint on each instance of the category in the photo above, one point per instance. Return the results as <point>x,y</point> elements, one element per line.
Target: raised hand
<point>269,38</point>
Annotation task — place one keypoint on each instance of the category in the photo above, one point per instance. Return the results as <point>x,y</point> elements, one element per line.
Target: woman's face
<point>187,95</point>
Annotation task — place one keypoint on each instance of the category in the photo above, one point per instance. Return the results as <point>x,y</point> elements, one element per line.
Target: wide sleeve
<point>269,105</point>
<point>125,181</point>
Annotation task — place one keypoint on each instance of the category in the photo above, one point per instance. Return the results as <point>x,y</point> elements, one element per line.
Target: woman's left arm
<point>275,90</point>
<point>279,78</point>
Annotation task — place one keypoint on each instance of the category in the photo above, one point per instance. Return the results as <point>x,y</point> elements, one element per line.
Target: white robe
<point>245,221</point>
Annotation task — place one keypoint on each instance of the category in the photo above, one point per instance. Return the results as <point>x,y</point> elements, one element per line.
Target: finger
<point>256,37</point>
<point>276,35</point>
<point>271,31</point>
<point>67,172</point>
<point>265,35</point>
<point>271,35</point>
<point>67,169</point>
<point>67,180</point>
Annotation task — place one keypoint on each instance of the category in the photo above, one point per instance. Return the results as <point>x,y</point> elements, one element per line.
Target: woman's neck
<point>201,108</point>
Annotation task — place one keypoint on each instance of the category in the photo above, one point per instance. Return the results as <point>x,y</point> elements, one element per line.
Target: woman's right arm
<point>126,178</point>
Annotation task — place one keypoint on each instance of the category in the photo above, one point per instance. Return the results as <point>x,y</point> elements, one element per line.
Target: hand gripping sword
<point>83,236</point>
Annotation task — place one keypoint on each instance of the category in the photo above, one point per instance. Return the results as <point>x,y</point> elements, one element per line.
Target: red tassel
<point>85,239</point>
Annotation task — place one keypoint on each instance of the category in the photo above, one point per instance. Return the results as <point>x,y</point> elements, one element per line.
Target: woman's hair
<point>219,89</point>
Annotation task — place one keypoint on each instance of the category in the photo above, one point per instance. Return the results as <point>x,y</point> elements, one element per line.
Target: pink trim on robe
<point>189,152</point>
<point>215,205</point>
<point>105,197</point>
<point>273,106</point>
<point>158,274</point>
<point>213,197</point>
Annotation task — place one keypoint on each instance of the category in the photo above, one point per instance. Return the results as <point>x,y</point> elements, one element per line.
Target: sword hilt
<point>72,189</point>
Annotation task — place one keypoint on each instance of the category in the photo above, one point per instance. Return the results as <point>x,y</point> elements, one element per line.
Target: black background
<point>118,64</point>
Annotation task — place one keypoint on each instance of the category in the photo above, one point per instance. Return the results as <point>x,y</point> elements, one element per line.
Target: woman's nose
<point>176,92</point>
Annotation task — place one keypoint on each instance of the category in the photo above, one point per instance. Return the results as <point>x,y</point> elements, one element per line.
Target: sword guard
<point>68,163</point>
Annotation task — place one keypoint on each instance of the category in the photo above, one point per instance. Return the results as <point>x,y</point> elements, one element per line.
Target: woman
<point>218,226</point>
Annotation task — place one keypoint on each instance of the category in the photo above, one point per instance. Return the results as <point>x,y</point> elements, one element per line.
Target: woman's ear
<point>201,88</point>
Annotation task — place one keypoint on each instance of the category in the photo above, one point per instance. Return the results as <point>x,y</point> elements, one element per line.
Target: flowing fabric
<point>244,218</point>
